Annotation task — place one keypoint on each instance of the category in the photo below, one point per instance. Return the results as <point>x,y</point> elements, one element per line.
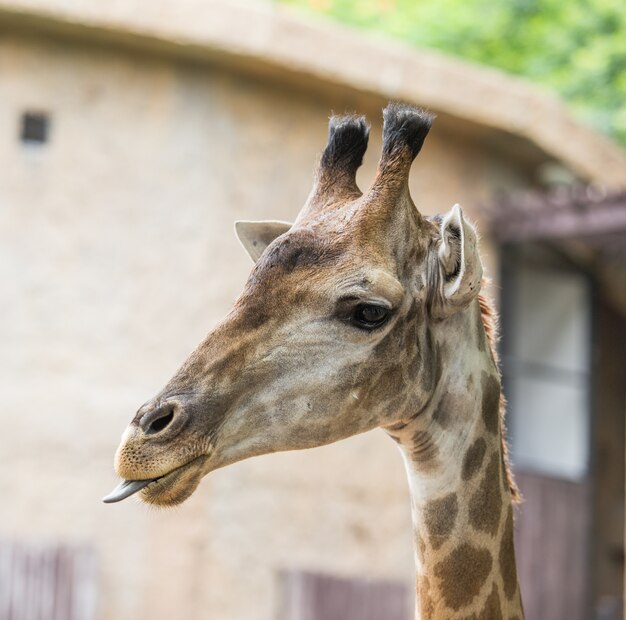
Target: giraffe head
<point>329,337</point>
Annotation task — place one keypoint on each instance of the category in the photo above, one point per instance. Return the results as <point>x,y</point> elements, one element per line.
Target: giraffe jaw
<point>166,490</point>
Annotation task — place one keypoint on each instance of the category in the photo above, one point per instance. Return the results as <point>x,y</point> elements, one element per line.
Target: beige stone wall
<point>269,38</point>
<point>116,256</point>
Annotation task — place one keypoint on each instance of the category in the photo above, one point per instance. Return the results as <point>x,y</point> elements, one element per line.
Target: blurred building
<point>132,135</point>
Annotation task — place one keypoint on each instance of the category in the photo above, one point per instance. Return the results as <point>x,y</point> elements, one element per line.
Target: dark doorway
<point>565,378</point>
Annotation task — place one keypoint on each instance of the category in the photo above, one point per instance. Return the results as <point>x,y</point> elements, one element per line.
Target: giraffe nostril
<point>160,423</point>
<point>158,420</point>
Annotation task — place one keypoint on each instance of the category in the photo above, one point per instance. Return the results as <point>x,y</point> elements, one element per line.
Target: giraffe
<point>363,313</point>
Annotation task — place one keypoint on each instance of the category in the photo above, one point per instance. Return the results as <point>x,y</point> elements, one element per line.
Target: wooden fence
<point>552,547</point>
<point>310,596</point>
<point>47,582</point>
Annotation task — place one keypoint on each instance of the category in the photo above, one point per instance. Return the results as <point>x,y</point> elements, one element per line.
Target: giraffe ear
<point>460,269</point>
<point>256,236</point>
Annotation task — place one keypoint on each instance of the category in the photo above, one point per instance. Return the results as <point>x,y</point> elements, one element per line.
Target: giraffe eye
<point>370,316</point>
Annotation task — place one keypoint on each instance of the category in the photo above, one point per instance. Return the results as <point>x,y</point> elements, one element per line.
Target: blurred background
<point>133,134</point>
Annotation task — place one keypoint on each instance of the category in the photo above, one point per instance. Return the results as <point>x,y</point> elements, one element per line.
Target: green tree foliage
<point>576,47</point>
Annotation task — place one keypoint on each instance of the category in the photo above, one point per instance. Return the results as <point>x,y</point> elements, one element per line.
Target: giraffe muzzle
<point>126,488</point>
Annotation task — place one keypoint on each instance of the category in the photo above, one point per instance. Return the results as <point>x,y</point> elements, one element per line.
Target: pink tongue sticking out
<point>125,489</point>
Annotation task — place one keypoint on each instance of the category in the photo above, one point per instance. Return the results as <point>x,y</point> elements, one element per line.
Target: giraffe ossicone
<point>363,313</point>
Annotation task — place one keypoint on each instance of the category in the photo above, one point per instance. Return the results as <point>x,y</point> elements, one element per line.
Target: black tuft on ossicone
<point>347,143</point>
<point>405,127</point>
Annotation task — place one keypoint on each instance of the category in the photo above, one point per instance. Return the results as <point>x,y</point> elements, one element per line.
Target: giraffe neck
<point>461,503</point>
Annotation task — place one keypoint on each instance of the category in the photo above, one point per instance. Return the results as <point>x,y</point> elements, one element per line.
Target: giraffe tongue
<point>125,489</point>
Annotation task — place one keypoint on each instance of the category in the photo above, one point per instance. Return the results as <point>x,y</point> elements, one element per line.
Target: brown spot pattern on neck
<point>491,401</point>
<point>507,558</point>
<point>440,517</point>
<point>485,505</point>
<point>492,610</point>
<point>473,459</point>
<point>462,574</point>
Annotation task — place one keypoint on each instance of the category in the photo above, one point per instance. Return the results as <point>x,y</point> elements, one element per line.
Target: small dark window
<point>35,128</point>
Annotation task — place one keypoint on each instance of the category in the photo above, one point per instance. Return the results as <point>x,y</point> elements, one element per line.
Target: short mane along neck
<point>461,489</point>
